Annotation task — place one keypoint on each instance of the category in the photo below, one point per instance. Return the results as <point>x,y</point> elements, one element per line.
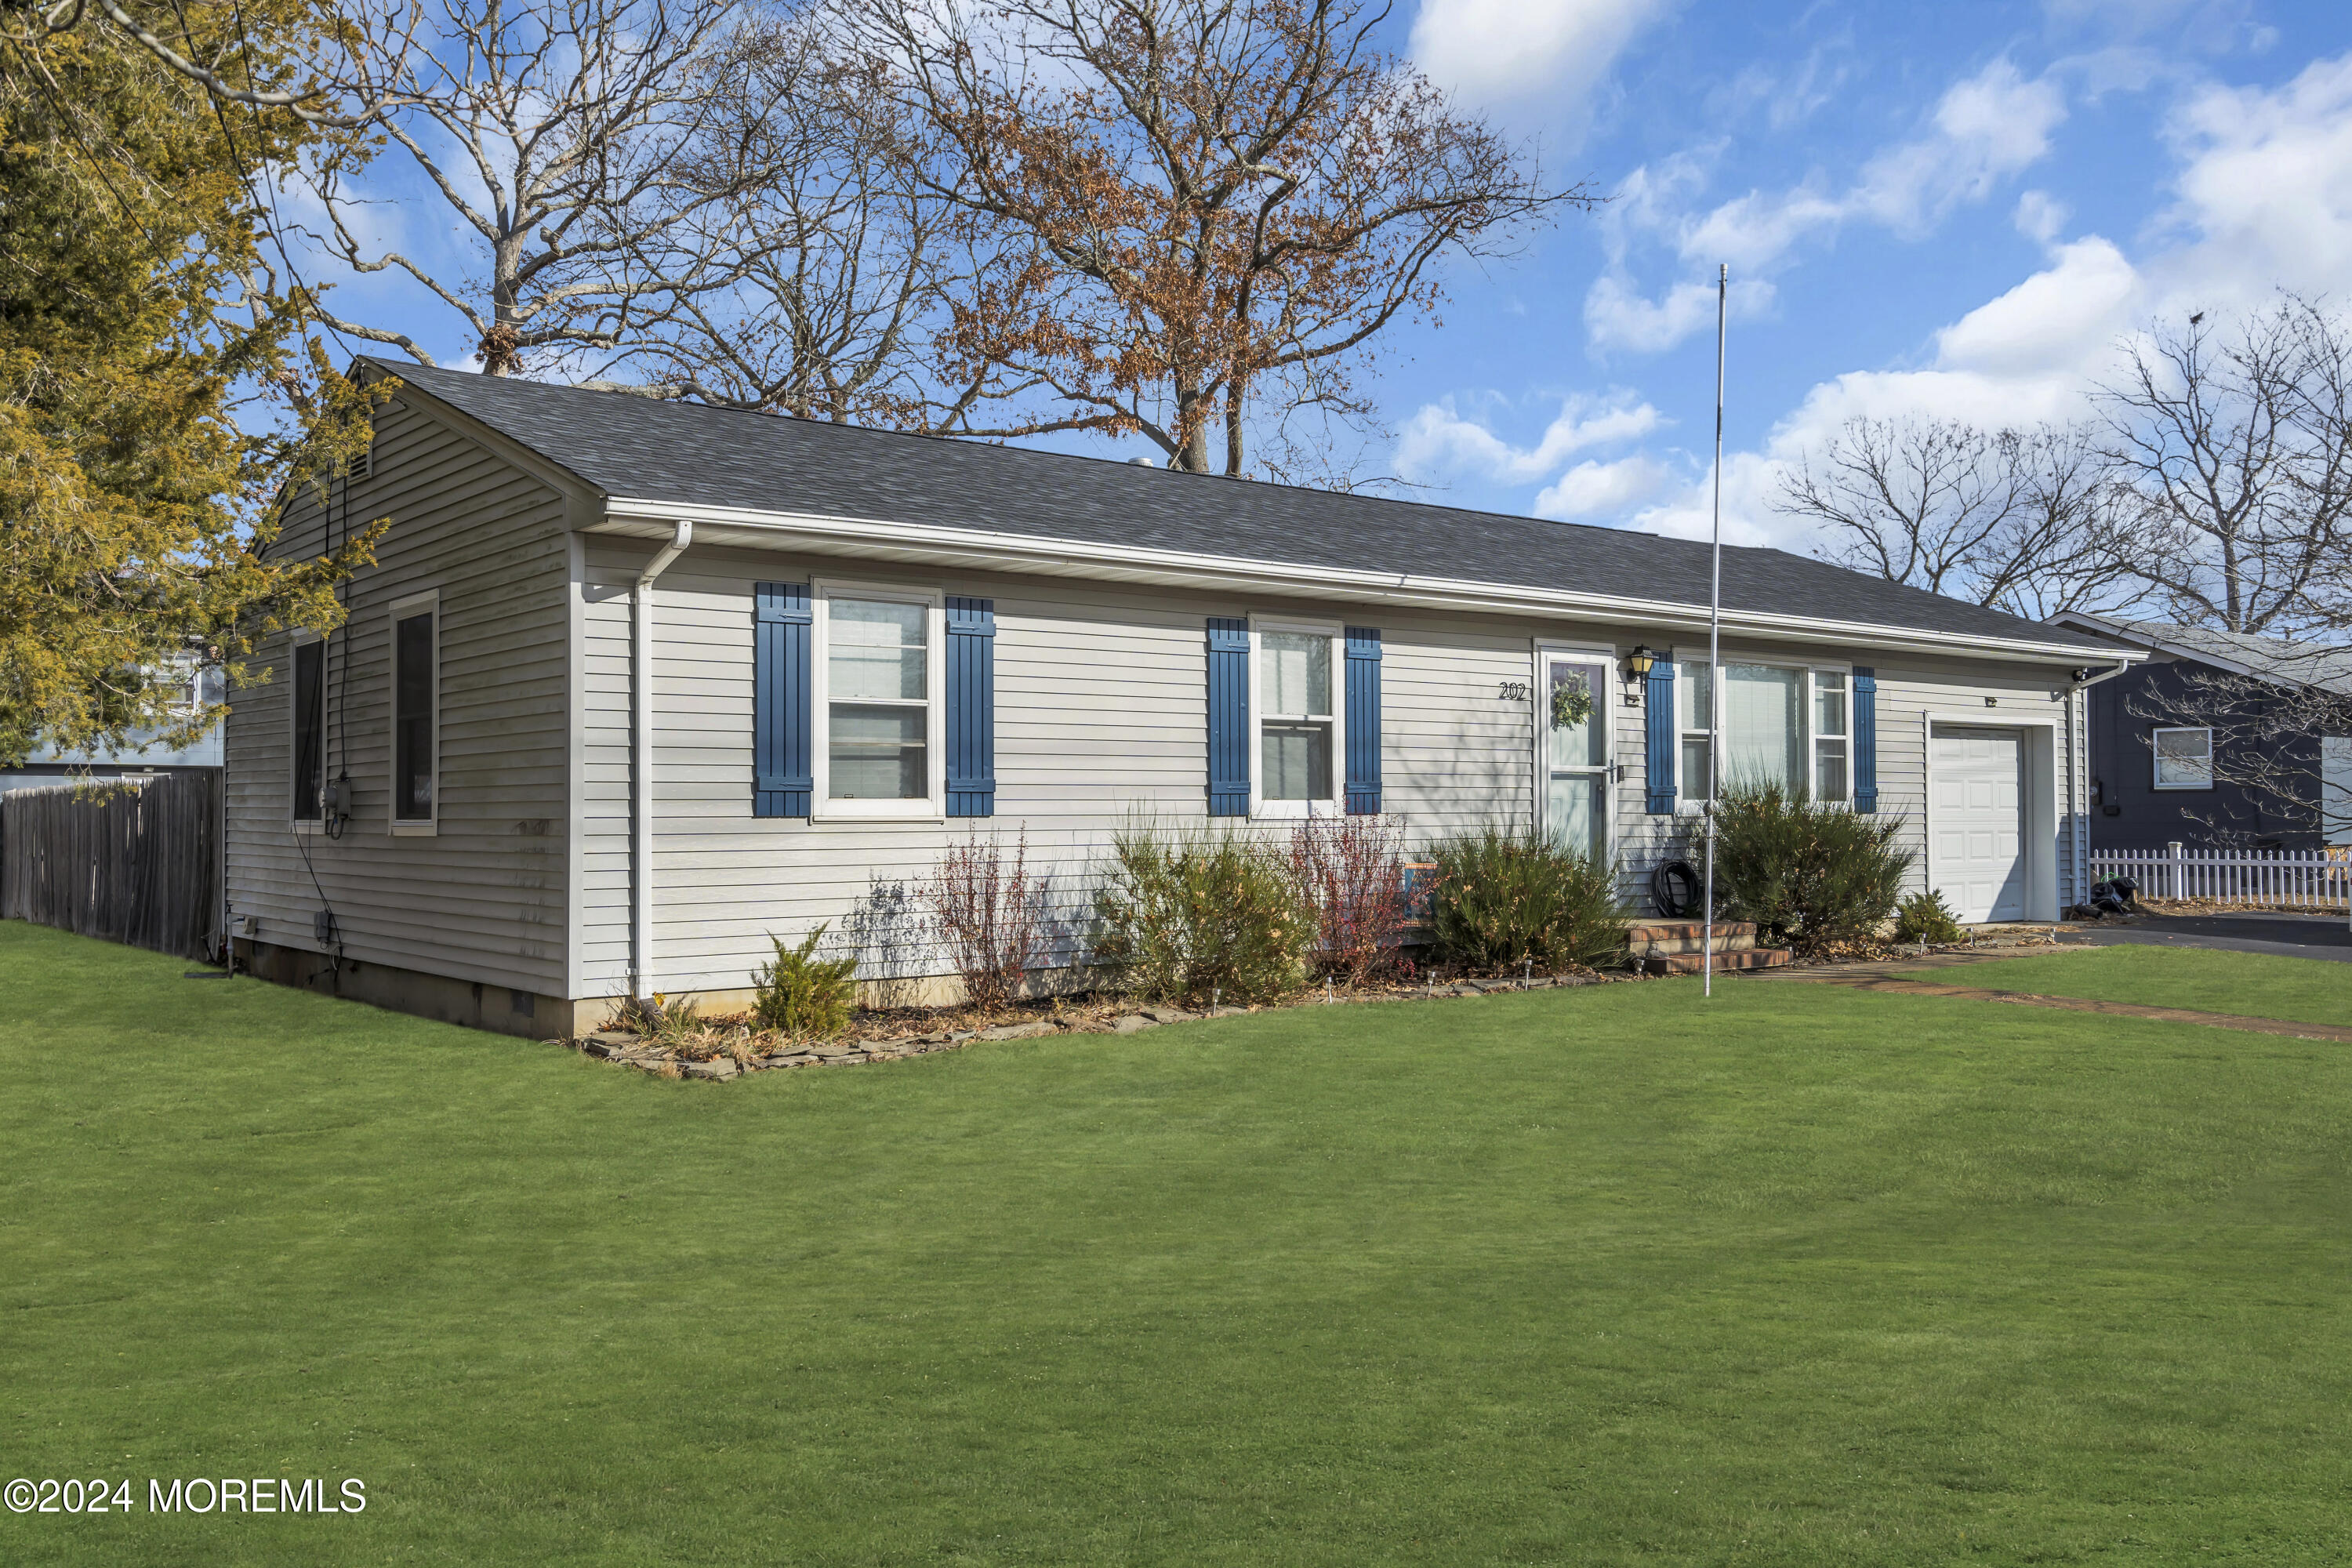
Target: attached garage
<point>1976,811</point>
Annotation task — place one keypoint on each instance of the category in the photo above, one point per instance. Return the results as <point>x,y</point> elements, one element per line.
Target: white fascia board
<point>985,549</point>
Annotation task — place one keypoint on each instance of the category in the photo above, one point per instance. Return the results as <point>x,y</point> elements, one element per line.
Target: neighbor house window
<point>416,701</point>
<point>879,700</point>
<point>1831,779</point>
<point>2184,759</point>
<point>1294,716</point>
<point>309,737</point>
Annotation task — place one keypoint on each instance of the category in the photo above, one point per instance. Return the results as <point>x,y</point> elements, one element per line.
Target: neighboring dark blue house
<point>2219,740</point>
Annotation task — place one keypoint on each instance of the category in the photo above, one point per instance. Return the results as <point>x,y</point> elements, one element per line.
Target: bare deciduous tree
<point>555,133</point>
<point>2025,520</point>
<point>1187,212</point>
<point>833,252</point>
<point>2235,440</point>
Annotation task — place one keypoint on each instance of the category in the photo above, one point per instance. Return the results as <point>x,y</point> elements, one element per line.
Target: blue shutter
<point>780,783</point>
<point>972,707</point>
<point>1658,705</point>
<point>1364,720</point>
<point>1229,722</point>
<point>1865,739</point>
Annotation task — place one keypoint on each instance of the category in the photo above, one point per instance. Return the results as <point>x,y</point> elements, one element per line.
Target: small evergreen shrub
<point>802,996</point>
<point>1180,916</point>
<point>1810,876</point>
<point>1504,900</point>
<point>1924,917</point>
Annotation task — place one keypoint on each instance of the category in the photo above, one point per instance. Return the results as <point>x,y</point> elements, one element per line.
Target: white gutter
<point>978,548</point>
<point>641,756</point>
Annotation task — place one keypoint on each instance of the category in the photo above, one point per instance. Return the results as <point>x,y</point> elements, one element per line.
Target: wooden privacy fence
<point>134,860</point>
<point>2282,878</point>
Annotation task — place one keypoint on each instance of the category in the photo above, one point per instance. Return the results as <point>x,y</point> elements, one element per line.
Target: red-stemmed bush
<point>989,914</point>
<point>1351,868</point>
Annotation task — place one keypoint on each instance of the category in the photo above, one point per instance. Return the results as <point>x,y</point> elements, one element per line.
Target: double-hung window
<point>2184,758</point>
<point>1832,773</point>
<point>1295,732</point>
<point>1694,700</point>
<point>1788,725</point>
<point>415,714</point>
<point>1298,726</point>
<point>309,732</point>
<point>879,693</point>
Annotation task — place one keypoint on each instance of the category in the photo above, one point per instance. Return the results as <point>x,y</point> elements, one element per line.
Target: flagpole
<point>1715,643</point>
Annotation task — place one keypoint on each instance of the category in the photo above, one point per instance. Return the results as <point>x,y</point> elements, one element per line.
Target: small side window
<point>415,699</point>
<point>309,729</point>
<point>2184,759</point>
<point>1830,771</point>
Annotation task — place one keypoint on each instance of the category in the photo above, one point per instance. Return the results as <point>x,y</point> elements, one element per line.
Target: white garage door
<point>1976,812</point>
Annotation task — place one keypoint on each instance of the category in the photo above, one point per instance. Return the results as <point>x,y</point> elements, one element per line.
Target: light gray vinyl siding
<point>1101,703</point>
<point>485,899</point>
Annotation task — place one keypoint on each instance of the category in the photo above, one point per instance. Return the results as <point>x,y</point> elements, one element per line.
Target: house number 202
<point>1514,691</point>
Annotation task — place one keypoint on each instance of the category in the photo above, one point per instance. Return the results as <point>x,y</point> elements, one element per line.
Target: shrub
<point>802,995</point>
<point>1504,900</point>
<point>1810,876</point>
<point>989,916</point>
<point>1924,917</point>
<point>1351,868</point>
<point>1183,916</point>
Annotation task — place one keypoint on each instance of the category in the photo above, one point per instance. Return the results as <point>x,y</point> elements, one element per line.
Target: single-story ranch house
<point>635,684</point>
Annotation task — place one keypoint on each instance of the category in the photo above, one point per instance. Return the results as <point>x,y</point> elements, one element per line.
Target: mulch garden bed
<point>725,1046</point>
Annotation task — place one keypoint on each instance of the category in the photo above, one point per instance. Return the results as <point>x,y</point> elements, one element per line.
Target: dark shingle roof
<point>641,448</point>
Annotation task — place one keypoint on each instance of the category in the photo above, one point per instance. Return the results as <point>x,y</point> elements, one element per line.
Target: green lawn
<point>2258,985</point>
<point>1802,1276</point>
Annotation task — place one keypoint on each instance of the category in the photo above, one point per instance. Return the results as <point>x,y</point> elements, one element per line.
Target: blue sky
<point>1949,209</point>
<point>1943,209</point>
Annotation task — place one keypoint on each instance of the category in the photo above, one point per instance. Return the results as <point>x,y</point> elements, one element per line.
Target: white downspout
<point>2078,770</point>
<point>641,760</point>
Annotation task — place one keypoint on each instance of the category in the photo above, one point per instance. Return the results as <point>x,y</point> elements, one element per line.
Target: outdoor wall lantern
<point>1638,663</point>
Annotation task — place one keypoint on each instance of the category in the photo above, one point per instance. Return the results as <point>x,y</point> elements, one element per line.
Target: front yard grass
<point>1803,1276</point>
<point>2256,984</point>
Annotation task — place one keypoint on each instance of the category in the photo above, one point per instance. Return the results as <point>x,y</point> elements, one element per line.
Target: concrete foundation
<point>471,1003</point>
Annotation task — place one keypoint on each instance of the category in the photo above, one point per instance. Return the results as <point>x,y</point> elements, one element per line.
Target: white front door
<point>1975,813</point>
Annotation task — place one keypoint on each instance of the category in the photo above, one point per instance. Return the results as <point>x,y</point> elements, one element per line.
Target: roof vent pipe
<point>641,758</point>
<point>1142,463</point>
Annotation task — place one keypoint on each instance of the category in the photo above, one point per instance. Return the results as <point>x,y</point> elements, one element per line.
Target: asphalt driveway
<point>2290,936</point>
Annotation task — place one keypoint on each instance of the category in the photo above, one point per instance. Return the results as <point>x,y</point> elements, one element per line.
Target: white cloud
<point>1438,439</point>
<point>1618,316</point>
<point>2267,190</point>
<point>2041,216</point>
<point>1499,52</point>
<point>1993,125</point>
<point>1984,129</point>
<point>1595,487</point>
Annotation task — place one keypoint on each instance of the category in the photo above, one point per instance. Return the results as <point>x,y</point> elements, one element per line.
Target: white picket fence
<point>2287,878</point>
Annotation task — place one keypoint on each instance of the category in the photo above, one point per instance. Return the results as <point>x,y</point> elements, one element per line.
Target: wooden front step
<point>1741,958</point>
<point>1655,939</point>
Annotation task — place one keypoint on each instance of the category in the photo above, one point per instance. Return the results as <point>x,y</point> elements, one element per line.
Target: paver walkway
<point>1901,977</point>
